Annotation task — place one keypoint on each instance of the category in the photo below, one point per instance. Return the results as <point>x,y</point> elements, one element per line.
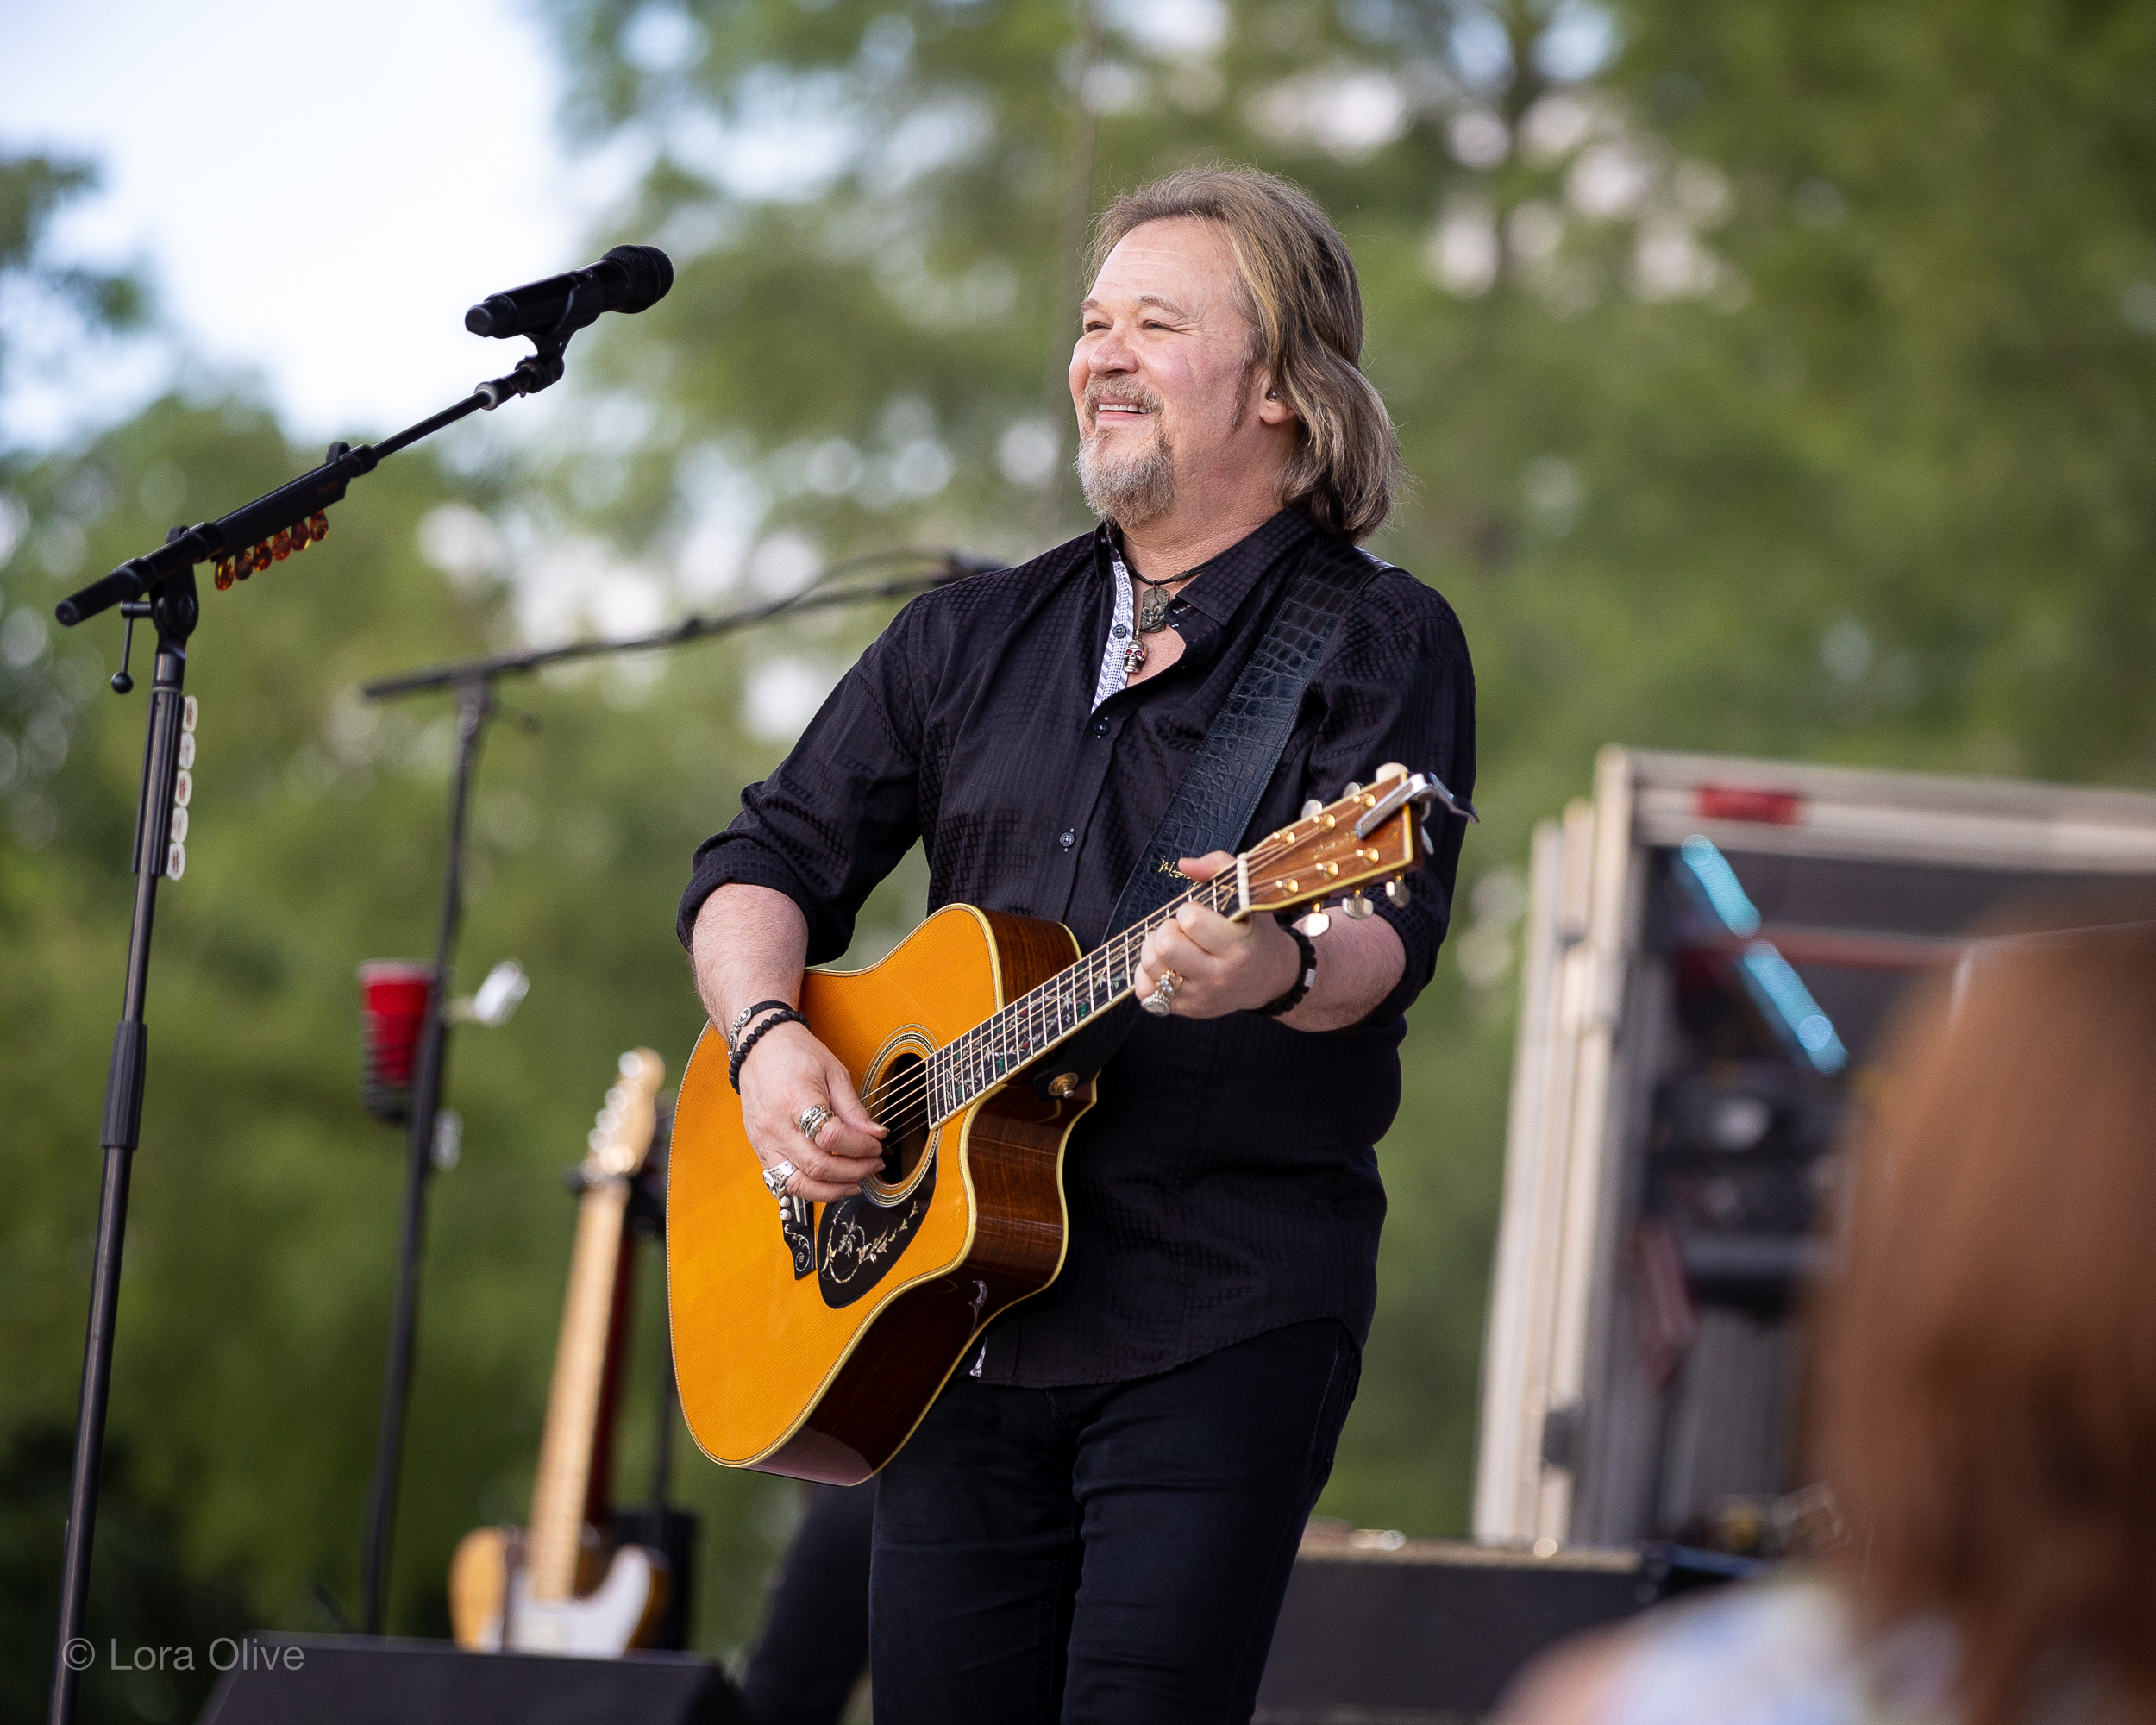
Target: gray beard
<point>1128,492</point>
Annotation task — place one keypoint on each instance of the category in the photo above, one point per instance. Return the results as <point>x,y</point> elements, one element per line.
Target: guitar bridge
<point>796,1222</point>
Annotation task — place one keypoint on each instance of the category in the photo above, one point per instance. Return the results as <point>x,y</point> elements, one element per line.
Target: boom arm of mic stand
<point>679,634</point>
<point>296,499</point>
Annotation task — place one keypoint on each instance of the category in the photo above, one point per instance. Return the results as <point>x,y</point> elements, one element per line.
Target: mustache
<point>1123,395</point>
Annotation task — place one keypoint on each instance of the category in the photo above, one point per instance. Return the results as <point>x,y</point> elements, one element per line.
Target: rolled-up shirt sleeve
<point>1400,687</point>
<point>835,817</point>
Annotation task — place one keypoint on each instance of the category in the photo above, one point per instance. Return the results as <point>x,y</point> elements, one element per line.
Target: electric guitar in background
<point>810,1338</point>
<point>540,1590</point>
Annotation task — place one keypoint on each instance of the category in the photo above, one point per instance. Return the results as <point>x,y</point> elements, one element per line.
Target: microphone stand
<point>159,587</point>
<point>473,682</point>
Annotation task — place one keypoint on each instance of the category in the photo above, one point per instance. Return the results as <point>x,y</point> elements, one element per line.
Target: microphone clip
<point>534,372</point>
<point>546,363</point>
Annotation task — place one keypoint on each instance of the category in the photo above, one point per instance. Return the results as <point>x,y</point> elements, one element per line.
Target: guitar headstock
<point>1372,835</point>
<point>622,1138</point>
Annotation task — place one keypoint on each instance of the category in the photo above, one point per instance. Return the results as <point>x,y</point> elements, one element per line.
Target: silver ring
<point>810,1120</point>
<point>1162,1001</point>
<point>777,1179</point>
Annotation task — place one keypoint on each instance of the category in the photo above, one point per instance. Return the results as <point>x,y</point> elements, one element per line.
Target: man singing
<point>1097,1518</point>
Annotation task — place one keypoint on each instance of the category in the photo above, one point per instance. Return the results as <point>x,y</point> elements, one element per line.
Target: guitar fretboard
<point>563,1481</point>
<point>1021,1032</point>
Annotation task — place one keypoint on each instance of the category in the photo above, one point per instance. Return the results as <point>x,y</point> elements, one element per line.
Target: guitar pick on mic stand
<point>159,588</point>
<point>473,680</point>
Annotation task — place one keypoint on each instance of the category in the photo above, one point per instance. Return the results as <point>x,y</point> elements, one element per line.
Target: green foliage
<point>155,1617</point>
<point>1777,387</point>
<point>261,1251</point>
<point>1780,387</point>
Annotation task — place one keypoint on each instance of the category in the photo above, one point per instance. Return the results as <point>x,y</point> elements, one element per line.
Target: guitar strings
<point>1118,953</point>
<point>1121,951</point>
<point>1028,1011</point>
<point>1102,967</point>
<point>1032,1009</point>
<point>910,1085</point>
<point>901,1093</point>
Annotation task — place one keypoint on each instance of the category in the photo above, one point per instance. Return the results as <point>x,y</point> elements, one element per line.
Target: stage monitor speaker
<point>1434,1629</point>
<point>350,1680</point>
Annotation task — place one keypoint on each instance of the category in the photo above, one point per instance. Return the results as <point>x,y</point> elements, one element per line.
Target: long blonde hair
<point>1298,288</point>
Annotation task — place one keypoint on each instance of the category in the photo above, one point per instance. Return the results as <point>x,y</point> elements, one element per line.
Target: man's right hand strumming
<point>788,1074</point>
<point>751,946</point>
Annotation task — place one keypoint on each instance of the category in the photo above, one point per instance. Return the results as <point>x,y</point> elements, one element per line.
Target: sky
<point>318,192</point>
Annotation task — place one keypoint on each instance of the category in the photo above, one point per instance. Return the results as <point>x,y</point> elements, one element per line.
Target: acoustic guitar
<point>810,1338</point>
<point>531,1591</point>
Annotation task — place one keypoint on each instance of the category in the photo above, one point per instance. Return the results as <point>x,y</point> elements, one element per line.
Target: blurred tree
<point>144,1599</point>
<point>262,1244</point>
<point>262,1236</point>
<point>32,188</point>
<point>1776,382</point>
<point>1776,378</point>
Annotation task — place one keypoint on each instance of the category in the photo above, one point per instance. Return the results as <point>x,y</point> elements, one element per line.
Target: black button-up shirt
<point>1226,1182</point>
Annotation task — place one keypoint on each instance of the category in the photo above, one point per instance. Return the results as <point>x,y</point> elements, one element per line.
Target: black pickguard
<point>857,1241</point>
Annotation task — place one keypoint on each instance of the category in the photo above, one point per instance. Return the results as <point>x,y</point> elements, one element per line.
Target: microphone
<point>628,279</point>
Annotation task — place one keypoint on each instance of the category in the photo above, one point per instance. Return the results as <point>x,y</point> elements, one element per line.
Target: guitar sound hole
<point>903,1106</point>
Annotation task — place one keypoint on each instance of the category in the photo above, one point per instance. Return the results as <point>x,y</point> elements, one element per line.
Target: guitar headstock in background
<point>1374,834</point>
<point>622,1138</point>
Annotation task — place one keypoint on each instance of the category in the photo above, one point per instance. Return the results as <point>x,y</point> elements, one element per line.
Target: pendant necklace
<point>1152,603</point>
<point>1152,614</point>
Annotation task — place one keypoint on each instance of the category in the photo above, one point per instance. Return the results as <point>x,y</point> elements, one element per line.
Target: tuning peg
<point>1391,769</point>
<point>1357,908</point>
<point>1397,895</point>
<point>1315,924</point>
<point>1353,789</point>
<point>1312,809</point>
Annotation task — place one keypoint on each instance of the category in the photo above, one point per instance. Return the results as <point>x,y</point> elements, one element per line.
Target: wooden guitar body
<point>494,1607</point>
<point>810,1338</point>
<point>816,1355</point>
<point>542,1590</point>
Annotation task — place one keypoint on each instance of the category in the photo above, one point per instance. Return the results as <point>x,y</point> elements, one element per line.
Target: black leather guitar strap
<point>1221,788</point>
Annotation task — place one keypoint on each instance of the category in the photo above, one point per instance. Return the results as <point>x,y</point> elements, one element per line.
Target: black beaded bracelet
<point>1305,976</point>
<point>741,1018</point>
<point>784,1015</point>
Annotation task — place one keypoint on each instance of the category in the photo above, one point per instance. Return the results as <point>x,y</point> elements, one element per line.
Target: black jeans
<point>815,1640</point>
<point>1115,1553</point>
